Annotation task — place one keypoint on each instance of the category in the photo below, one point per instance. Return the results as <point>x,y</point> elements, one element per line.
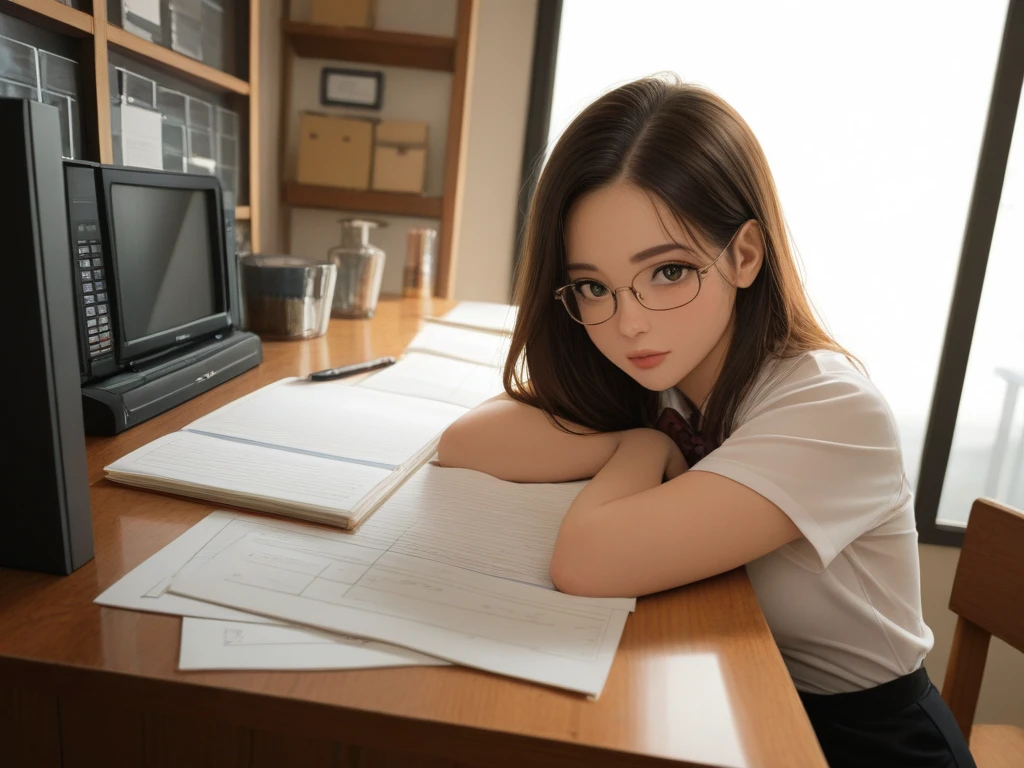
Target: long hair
<point>686,147</point>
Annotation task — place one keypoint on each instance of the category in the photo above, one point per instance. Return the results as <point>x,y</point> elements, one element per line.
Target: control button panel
<point>95,308</point>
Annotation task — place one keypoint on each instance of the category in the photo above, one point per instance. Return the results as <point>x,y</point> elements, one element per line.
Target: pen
<point>351,370</point>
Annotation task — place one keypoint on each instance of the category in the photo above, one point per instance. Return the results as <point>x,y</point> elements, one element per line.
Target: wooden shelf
<point>242,213</point>
<point>61,17</point>
<point>364,201</point>
<point>371,46</point>
<point>183,65</point>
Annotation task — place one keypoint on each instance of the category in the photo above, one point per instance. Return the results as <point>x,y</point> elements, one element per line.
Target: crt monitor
<point>168,262</point>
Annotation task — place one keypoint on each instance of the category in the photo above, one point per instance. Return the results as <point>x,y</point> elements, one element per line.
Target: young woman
<point>665,348</point>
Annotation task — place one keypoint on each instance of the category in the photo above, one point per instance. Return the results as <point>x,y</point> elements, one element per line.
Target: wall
<point>1001,699</point>
<point>270,222</point>
<point>494,140</point>
<point>497,129</point>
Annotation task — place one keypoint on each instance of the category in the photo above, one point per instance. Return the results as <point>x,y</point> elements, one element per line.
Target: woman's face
<point>612,235</point>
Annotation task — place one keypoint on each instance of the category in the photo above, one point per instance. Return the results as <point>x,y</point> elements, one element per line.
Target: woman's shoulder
<point>821,383</point>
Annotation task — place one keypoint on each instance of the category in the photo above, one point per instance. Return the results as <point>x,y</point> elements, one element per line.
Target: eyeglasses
<point>667,285</point>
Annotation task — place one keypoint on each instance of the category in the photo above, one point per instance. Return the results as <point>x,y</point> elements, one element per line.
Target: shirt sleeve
<point>822,447</point>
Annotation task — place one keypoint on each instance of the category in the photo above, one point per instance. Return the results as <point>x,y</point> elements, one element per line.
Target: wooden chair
<point>988,598</point>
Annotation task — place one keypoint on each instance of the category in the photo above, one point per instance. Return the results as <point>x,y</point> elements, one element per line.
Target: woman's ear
<point>747,254</point>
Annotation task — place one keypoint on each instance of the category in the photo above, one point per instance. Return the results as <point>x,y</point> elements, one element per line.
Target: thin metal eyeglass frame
<point>701,273</point>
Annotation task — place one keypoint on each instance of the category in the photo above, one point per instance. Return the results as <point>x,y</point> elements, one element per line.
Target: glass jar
<point>360,269</point>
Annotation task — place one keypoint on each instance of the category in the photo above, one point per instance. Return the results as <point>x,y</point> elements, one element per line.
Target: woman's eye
<point>590,290</point>
<point>672,272</point>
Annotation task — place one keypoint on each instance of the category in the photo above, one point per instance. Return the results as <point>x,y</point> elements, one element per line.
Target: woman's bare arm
<point>514,441</point>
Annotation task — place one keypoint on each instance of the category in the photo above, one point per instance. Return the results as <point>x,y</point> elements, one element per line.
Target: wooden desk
<point>697,679</point>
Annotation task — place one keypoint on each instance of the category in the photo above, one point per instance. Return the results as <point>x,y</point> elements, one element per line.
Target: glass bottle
<point>360,269</point>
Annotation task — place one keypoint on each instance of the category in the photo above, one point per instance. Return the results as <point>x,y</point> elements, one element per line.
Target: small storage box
<point>400,156</point>
<point>335,151</point>
<point>343,13</point>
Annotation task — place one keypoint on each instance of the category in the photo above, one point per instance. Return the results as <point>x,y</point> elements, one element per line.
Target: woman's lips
<point>647,359</point>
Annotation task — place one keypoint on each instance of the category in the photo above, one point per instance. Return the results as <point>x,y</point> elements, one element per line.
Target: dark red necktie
<point>683,433</point>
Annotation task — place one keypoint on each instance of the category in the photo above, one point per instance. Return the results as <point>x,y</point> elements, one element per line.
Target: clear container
<point>59,82</point>
<point>213,34</point>
<point>187,27</point>
<point>19,66</point>
<point>202,157</point>
<point>58,74</point>
<point>227,149</point>
<point>360,269</point>
<point>174,113</point>
<point>420,258</point>
<point>127,89</point>
<point>147,25</point>
<point>29,73</point>
<point>70,137</point>
<point>135,89</point>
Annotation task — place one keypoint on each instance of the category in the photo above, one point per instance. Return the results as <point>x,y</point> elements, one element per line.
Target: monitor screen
<point>165,258</point>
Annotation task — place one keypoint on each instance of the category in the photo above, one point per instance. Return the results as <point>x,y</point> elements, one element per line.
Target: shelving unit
<point>98,37</point>
<point>394,49</point>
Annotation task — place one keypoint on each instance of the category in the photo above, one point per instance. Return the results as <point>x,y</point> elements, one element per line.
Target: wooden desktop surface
<point>697,679</point>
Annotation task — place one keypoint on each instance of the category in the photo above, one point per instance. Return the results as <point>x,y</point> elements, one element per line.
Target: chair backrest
<point>988,598</point>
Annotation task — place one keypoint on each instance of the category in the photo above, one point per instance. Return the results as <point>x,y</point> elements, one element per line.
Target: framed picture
<point>351,88</point>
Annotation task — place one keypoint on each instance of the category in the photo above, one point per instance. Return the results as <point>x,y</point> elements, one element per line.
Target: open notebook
<point>329,452</point>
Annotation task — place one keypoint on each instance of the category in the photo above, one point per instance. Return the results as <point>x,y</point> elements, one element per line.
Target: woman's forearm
<point>516,442</point>
<point>639,462</point>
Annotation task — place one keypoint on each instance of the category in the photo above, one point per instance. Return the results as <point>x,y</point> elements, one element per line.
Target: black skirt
<point>903,723</point>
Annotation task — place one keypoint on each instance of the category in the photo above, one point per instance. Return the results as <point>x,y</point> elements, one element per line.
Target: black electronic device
<point>157,295</point>
<point>234,274</point>
<point>45,522</point>
<point>152,265</point>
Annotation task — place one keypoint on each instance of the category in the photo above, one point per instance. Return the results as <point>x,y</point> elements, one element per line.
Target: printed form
<point>215,637</point>
<point>454,565</point>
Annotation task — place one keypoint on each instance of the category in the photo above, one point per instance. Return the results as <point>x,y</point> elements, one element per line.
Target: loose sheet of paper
<point>438,378</point>
<point>447,612</point>
<point>461,344</point>
<point>213,644</point>
<point>334,420</point>
<point>449,566</point>
<point>141,137</point>
<point>144,588</point>
<point>484,315</point>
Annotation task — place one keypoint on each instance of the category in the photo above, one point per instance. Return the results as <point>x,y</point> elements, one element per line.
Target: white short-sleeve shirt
<point>843,602</point>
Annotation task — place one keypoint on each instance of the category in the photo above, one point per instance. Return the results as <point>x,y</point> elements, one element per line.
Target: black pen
<point>351,370</point>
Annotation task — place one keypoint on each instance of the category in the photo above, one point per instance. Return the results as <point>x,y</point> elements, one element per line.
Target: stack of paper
<point>452,565</point>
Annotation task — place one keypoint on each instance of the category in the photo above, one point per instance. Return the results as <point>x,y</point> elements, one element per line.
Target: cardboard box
<point>335,151</point>
<point>400,156</point>
<point>344,13</point>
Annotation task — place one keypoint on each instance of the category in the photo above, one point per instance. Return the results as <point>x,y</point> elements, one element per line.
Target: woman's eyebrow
<point>647,253</point>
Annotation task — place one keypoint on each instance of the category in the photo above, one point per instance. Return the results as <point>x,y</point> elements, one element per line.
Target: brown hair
<point>686,147</point>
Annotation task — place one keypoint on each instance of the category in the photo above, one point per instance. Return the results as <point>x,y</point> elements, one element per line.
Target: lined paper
<point>223,468</point>
<point>333,419</point>
<point>482,315</point>
<point>334,581</point>
<point>474,346</point>
<point>438,378</point>
<point>472,520</point>
<point>144,588</point>
<point>215,644</point>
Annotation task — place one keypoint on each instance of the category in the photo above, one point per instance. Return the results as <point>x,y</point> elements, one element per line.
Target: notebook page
<point>474,521</point>
<point>226,468</point>
<point>333,419</point>
<point>438,378</point>
<point>482,315</point>
<point>461,344</point>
